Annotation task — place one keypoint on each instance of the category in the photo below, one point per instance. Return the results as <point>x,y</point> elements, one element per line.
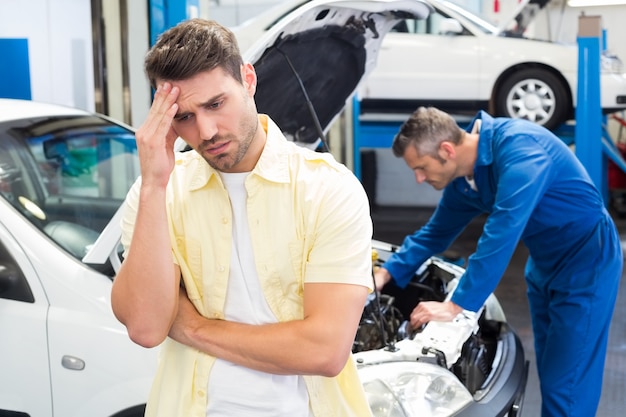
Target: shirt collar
<point>272,165</point>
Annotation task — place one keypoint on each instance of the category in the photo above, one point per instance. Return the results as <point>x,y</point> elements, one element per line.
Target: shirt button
<point>200,393</point>
<point>224,220</point>
<point>221,268</point>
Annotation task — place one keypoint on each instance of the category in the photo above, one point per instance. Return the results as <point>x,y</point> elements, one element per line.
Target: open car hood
<point>523,15</point>
<point>312,61</point>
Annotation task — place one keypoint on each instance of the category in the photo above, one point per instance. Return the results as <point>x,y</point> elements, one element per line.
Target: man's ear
<point>447,150</point>
<point>248,75</point>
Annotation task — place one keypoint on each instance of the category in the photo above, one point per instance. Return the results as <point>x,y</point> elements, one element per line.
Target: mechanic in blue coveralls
<point>533,188</point>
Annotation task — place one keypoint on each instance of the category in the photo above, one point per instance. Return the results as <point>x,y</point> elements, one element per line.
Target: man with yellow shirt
<point>248,257</point>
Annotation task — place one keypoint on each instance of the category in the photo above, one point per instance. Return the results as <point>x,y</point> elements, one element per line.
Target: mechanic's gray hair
<point>425,129</point>
<point>192,47</point>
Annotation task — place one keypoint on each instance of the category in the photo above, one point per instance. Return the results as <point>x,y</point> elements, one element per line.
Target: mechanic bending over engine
<point>533,188</point>
<point>249,256</point>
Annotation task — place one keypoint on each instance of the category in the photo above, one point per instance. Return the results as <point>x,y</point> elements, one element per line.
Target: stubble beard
<point>226,161</point>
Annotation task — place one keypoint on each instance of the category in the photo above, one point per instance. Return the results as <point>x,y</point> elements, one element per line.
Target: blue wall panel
<point>165,14</point>
<point>14,69</point>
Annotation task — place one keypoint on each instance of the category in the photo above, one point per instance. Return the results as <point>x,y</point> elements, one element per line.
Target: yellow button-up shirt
<point>309,222</point>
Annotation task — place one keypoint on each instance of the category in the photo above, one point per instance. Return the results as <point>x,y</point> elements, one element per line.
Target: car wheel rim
<point>531,99</point>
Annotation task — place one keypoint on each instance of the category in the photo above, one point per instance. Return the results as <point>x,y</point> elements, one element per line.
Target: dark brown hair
<point>192,47</point>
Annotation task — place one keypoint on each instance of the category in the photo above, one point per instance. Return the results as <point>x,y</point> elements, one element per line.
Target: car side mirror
<point>450,26</point>
<point>13,286</point>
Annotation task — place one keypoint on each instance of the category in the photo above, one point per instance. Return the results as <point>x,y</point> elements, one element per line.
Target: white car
<point>458,62</point>
<point>63,176</point>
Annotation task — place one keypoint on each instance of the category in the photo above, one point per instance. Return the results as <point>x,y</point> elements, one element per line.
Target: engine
<point>384,322</point>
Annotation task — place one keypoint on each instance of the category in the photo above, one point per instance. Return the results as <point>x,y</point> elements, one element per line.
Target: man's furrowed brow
<point>213,99</point>
<point>181,114</point>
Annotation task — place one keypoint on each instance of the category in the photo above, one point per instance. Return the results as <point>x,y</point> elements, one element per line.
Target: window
<point>67,175</point>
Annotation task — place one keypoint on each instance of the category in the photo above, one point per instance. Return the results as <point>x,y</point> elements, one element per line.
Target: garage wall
<point>560,24</point>
<point>235,12</point>
<point>396,185</point>
<point>15,66</point>
<point>58,34</point>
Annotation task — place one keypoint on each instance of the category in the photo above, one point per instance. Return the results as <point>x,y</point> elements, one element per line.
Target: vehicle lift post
<point>592,139</point>
<point>588,130</point>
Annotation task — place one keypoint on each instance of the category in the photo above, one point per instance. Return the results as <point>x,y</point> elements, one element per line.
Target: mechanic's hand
<point>381,277</point>
<point>433,310</point>
<point>156,137</point>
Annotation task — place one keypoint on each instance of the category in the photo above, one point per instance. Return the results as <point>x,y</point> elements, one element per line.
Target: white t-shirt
<point>233,390</point>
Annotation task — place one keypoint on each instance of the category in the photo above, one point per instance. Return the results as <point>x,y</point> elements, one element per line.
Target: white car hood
<point>331,45</point>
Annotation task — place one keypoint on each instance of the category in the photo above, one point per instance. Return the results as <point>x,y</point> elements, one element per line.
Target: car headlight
<point>409,389</point>
<point>611,64</point>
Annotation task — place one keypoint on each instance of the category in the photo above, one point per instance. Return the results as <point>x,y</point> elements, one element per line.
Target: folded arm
<point>319,344</point>
<point>144,296</point>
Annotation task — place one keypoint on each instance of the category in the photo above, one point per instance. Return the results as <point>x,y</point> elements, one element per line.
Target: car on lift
<point>457,61</point>
<point>64,174</point>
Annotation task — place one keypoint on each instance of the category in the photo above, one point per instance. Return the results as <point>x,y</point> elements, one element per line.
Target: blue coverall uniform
<point>534,188</point>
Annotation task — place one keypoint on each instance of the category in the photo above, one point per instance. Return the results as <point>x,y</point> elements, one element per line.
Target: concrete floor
<point>392,224</point>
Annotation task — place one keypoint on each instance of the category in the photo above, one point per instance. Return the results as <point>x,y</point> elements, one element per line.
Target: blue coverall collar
<point>484,153</point>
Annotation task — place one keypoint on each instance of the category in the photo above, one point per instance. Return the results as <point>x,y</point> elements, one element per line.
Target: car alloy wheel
<point>535,95</point>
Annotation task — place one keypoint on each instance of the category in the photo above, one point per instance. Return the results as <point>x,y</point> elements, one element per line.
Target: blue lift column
<point>588,130</point>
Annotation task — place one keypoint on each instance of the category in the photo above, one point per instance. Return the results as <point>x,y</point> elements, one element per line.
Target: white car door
<point>418,61</point>
<point>24,368</point>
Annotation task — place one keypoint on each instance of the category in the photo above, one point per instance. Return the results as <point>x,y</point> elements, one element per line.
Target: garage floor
<point>392,224</point>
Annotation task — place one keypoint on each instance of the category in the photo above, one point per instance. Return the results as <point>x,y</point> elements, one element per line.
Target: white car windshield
<point>479,22</point>
<point>67,175</point>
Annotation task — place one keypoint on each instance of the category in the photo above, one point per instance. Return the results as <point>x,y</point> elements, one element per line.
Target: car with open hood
<point>64,174</point>
<point>459,62</point>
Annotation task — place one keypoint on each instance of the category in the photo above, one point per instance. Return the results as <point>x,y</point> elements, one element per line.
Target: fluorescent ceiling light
<point>588,3</point>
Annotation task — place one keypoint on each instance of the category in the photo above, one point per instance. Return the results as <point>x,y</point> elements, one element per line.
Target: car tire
<point>536,95</point>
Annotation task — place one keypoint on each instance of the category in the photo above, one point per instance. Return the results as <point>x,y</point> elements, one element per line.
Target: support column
<point>588,131</point>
